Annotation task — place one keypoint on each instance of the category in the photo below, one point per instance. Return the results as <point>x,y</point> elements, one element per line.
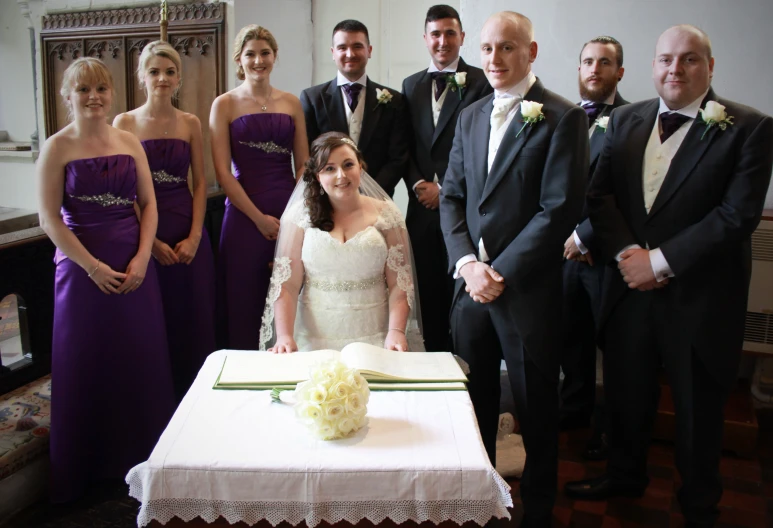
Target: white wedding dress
<point>344,297</point>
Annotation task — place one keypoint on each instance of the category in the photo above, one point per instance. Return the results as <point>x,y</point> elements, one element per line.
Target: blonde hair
<point>86,70</point>
<point>158,48</point>
<point>247,33</point>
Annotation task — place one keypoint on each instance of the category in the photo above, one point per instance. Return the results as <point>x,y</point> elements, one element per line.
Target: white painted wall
<point>17,105</point>
<point>739,31</point>
<point>290,23</point>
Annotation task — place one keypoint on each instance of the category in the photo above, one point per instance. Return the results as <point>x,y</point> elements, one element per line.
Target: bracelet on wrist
<point>397,330</point>
<point>94,270</point>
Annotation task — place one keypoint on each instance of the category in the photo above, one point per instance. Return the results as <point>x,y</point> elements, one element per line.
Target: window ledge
<point>8,155</point>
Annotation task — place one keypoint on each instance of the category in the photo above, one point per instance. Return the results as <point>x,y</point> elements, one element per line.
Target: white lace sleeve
<point>279,276</point>
<point>397,262</point>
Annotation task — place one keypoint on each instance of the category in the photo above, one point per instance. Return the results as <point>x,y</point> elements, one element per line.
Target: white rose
<point>308,412</point>
<point>333,410</point>
<point>317,394</point>
<point>530,109</point>
<point>383,96</point>
<point>324,430</point>
<point>460,78</point>
<point>714,112</point>
<point>339,390</point>
<point>602,122</point>
<point>345,425</point>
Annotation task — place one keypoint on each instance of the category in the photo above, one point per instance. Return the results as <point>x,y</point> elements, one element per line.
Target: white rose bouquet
<point>333,402</point>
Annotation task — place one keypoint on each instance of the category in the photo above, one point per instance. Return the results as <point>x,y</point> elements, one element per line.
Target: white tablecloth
<point>238,455</point>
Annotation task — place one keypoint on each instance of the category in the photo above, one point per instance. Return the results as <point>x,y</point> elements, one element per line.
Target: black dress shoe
<point>597,449</point>
<point>599,488</point>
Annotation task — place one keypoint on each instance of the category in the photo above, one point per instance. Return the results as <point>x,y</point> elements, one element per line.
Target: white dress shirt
<point>657,160</point>
<point>353,119</point>
<point>495,139</point>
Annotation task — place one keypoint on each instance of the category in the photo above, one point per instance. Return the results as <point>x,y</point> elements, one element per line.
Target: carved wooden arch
<point>117,37</point>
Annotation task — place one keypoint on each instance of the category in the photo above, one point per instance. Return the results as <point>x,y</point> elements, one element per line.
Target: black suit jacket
<point>524,209</point>
<point>431,144</point>
<point>584,229</point>
<point>383,141</point>
<point>702,219</point>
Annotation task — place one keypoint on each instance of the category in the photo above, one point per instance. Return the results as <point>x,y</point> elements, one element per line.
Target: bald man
<point>677,192</point>
<point>512,194</point>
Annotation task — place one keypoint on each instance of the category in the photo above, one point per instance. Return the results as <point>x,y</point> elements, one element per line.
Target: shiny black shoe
<point>599,488</point>
<point>597,449</point>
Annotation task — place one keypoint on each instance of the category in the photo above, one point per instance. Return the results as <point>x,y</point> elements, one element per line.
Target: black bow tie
<point>670,122</point>
<point>441,80</point>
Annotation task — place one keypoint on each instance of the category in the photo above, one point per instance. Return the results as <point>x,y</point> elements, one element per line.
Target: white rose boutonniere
<point>531,113</point>
<point>383,97</point>
<point>333,402</point>
<point>457,81</point>
<point>714,114</point>
<point>602,123</point>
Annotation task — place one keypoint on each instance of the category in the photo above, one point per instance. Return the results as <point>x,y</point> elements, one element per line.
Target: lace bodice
<point>360,258</point>
<point>345,285</point>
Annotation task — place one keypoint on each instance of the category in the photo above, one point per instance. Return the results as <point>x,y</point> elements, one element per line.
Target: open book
<point>384,369</point>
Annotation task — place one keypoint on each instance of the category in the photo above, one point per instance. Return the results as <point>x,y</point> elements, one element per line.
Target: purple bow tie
<point>593,110</point>
<point>352,92</point>
<point>441,80</point>
<point>670,123</point>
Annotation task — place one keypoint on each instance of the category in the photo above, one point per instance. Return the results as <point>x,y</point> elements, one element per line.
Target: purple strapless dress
<point>261,148</point>
<point>187,291</point>
<point>112,385</point>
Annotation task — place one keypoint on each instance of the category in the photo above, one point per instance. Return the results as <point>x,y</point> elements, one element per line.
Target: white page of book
<point>266,367</point>
<point>424,366</point>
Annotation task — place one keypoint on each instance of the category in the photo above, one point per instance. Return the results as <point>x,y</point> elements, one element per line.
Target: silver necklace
<point>264,106</point>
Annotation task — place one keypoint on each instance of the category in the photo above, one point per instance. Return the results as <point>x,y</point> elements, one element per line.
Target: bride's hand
<point>395,340</point>
<point>284,345</point>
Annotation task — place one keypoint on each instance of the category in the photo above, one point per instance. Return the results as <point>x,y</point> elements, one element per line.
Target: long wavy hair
<point>318,204</point>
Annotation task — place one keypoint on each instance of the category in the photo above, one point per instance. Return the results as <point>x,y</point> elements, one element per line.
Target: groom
<point>371,114</point>
<point>513,192</point>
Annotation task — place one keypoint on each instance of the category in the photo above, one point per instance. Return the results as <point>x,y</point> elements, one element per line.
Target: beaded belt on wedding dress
<point>341,286</point>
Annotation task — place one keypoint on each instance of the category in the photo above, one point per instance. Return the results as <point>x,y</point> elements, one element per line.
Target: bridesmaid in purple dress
<point>262,131</point>
<point>173,143</point>
<point>112,385</point>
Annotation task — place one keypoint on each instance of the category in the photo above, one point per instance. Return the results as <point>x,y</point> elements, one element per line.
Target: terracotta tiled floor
<point>747,501</point>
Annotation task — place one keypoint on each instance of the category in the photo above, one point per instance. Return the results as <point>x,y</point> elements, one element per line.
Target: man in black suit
<point>370,113</point>
<point>434,97</point>
<point>513,192</point>
<point>678,190</point>
<point>600,71</point>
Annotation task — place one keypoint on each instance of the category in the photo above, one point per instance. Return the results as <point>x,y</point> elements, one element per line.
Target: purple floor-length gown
<point>261,148</point>
<point>112,385</point>
<point>187,290</point>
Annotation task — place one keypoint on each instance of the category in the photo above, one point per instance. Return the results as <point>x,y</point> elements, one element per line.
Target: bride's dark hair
<point>317,203</point>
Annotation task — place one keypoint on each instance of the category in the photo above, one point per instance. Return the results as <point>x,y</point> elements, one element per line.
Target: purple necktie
<point>352,92</point>
<point>670,123</point>
<point>441,79</point>
<point>593,110</point>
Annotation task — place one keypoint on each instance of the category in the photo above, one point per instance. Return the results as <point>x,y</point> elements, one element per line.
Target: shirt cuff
<point>579,243</point>
<point>414,187</point>
<point>660,266</point>
<point>626,248</point>
<point>462,261</point>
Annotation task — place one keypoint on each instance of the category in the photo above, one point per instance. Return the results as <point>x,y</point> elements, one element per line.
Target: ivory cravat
<point>502,107</point>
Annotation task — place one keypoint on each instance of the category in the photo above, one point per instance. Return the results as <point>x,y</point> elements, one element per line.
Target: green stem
<point>521,130</point>
<point>275,392</point>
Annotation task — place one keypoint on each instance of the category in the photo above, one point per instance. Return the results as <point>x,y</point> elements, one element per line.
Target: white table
<point>238,455</point>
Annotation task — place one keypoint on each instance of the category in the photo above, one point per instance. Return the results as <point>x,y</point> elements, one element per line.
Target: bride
<point>343,270</point>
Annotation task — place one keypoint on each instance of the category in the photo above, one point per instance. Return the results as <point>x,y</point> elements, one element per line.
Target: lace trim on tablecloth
<point>251,512</point>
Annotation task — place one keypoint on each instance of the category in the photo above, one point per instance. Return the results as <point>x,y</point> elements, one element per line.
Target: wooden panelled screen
<point>117,37</point>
